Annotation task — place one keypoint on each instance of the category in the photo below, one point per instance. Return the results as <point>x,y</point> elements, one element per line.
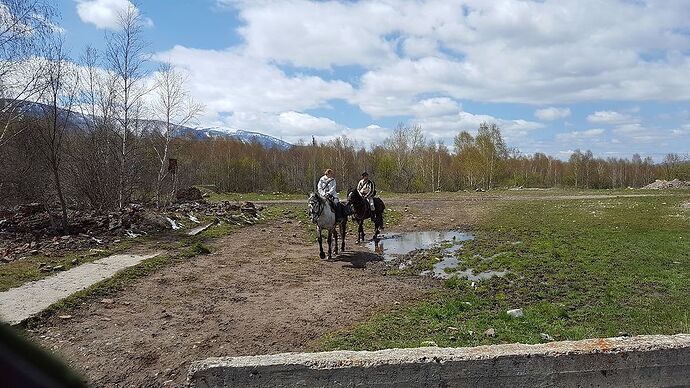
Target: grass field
<point>579,268</point>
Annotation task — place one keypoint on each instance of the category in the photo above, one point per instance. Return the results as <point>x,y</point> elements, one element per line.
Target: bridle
<point>315,208</point>
<point>362,202</point>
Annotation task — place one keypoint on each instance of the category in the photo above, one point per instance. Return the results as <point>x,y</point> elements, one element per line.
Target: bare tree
<point>175,108</point>
<point>96,156</point>
<point>126,56</point>
<point>51,131</point>
<point>25,29</point>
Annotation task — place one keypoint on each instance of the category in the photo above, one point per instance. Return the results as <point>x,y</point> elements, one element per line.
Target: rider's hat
<point>365,173</point>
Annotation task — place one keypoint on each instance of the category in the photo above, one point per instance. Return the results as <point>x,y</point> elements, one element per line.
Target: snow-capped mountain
<point>77,120</point>
<point>266,141</point>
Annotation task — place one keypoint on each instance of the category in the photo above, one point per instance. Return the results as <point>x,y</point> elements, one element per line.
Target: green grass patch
<point>578,268</point>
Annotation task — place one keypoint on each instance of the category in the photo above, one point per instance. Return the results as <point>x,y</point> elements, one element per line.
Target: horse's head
<point>315,206</point>
<point>352,195</point>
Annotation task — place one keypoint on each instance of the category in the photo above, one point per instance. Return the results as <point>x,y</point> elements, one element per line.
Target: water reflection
<point>400,244</point>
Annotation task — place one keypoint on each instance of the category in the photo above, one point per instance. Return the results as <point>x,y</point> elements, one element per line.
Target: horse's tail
<point>380,207</point>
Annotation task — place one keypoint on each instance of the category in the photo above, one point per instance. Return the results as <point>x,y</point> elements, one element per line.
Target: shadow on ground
<point>357,259</point>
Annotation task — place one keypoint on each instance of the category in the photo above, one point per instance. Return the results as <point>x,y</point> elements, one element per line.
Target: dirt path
<point>262,290</point>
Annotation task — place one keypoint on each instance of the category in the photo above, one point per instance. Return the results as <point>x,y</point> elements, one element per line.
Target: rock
<point>515,313</point>
<point>65,316</point>
<point>248,207</point>
<point>491,332</point>
<point>107,301</point>
<point>189,194</point>
<point>30,209</point>
<point>452,329</point>
<point>545,337</point>
<point>59,268</point>
<point>429,343</point>
<point>75,261</point>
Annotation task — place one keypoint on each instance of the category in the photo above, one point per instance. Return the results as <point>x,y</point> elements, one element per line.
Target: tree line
<point>92,144</point>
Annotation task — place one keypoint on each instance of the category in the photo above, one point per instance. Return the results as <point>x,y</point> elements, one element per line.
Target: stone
<point>515,313</point>
<point>545,337</point>
<point>491,332</point>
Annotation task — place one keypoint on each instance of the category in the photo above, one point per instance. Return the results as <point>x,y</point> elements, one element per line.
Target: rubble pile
<point>28,229</point>
<point>660,184</point>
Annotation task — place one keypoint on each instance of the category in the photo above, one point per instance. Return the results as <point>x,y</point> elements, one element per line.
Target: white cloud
<point>231,81</point>
<point>552,113</point>
<point>104,13</point>
<point>461,48</point>
<point>684,130</point>
<point>578,136</point>
<point>431,107</point>
<point>610,117</point>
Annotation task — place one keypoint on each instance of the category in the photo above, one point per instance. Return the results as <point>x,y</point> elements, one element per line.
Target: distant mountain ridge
<point>247,137</point>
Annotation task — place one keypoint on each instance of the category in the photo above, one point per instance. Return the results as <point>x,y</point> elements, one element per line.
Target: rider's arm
<point>331,188</point>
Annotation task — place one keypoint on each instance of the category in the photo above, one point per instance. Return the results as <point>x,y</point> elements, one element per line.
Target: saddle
<point>341,211</point>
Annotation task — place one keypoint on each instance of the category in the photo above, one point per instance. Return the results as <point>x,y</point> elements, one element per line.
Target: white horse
<point>323,216</point>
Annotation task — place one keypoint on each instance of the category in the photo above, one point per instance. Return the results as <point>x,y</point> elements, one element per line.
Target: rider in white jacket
<point>326,186</point>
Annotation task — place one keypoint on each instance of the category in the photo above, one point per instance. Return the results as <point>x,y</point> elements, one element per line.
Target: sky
<point>611,76</point>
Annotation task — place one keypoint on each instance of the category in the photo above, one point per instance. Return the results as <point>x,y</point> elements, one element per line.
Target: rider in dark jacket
<point>367,189</point>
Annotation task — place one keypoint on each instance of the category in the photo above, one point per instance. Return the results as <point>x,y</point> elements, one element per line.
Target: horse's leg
<point>361,230</point>
<point>335,237</point>
<point>330,239</point>
<point>322,255</point>
<point>343,229</point>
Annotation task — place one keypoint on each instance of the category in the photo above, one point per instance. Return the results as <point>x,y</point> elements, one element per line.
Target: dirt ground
<point>262,290</point>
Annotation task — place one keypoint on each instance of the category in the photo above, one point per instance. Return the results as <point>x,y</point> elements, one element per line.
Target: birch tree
<point>126,57</point>
<point>175,108</point>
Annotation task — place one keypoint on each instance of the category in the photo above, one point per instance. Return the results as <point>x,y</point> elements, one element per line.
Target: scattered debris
<point>491,332</point>
<point>65,316</point>
<point>30,230</point>
<point>660,184</point>
<point>545,337</point>
<point>515,313</point>
<point>107,301</point>
<point>173,224</point>
<point>199,229</point>
<point>429,343</point>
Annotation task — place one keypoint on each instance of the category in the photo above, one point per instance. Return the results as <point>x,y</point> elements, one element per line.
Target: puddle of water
<point>400,244</point>
<point>439,271</point>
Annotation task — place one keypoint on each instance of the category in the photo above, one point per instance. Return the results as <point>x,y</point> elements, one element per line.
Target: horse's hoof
<point>322,255</point>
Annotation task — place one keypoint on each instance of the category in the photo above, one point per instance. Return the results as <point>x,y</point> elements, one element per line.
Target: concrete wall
<point>644,361</point>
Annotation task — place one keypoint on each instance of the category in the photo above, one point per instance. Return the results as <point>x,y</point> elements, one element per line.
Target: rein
<point>317,210</point>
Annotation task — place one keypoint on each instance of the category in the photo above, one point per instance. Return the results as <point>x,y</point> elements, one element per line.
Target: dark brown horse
<point>362,211</point>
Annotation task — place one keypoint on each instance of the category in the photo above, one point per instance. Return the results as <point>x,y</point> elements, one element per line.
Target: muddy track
<point>262,290</point>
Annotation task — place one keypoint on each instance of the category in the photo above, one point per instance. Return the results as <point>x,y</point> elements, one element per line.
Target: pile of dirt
<point>660,184</point>
<point>189,194</point>
<point>29,229</point>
